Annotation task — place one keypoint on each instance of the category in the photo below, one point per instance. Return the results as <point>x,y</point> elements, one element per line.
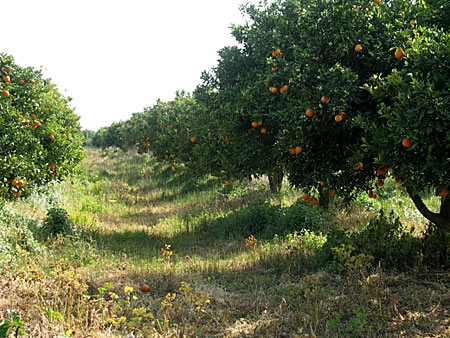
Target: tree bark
<point>441,219</point>
<point>324,200</point>
<point>275,180</point>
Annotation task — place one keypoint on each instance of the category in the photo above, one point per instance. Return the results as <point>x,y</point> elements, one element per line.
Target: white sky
<point>117,57</point>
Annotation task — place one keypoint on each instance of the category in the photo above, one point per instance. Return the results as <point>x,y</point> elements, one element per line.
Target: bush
<point>256,218</point>
<point>436,248</point>
<point>386,240</point>
<point>16,237</point>
<point>57,222</point>
<point>302,216</point>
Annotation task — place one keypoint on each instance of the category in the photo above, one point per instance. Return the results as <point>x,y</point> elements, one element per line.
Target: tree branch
<point>439,218</point>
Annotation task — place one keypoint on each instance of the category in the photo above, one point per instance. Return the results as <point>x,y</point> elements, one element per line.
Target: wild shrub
<point>302,216</point>
<point>16,237</point>
<point>388,242</point>
<point>256,218</point>
<point>436,248</point>
<point>57,222</point>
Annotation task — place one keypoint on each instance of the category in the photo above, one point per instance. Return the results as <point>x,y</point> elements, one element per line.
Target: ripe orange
<point>51,166</point>
<point>19,183</point>
<point>259,123</point>
<point>358,166</point>
<point>5,93</point>
<point>412,22</point>
<point>406,142</point>
<point>273,89</point>
<point>225,138</point>
<point>228,184</point>
<point>315,201</point>
<point>25,121</point>
<point>6,69</point>
<point>377,1</point>
<point>32,81</point>
<point>175,130</point>
<point>338,118</point>
<point>298,150</point>
<point>444,192</point>
<point>358,48</point>
<point>324,99</point>
<point>22,82</point>
<point>254,124</point>
<point>6,78</point>
<point>14,182</point>
<point>292,151</point>
<point>381,172</point>
<point>167,151</point>
<point>72,182</point>
<point>145,288</point>
<point>33,116</point>
<point>380,183</point>
<point>322,183</point>
<point>276,52</point>
<point>193,139</point>
<point>399,53</point>
<point>51,136</point>
<point>284,89</point>
<point>309,112</point>
<point>397,181</point>
<point>274,69</point>
<point>370,193</point>
<point>263,131</point>
<point>332,193</point>
<point>305,196</point>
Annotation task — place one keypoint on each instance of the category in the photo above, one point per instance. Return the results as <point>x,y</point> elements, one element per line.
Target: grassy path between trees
<point>213,263</point>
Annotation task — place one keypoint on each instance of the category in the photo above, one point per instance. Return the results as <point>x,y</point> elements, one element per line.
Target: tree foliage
<point>40,138</point>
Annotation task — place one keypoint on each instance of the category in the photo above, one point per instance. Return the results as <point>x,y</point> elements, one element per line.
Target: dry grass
<point>222,288</point>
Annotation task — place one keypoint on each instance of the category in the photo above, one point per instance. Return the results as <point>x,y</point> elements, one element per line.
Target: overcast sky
<point>117,57</point>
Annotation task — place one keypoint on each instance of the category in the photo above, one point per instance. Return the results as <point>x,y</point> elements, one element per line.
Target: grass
<point>138,222</point>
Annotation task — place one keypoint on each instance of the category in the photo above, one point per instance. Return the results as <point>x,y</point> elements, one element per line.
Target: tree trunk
<point>275,179</point>
<point>324,199</point>
<point>441,219</point>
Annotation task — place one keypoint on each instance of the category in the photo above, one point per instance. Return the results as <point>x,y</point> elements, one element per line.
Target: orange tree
<point>40,137</point>
<point>412,132</point>
<point>288,97</point>
<point>329,50</point>
<point>299,69</point>
<point>178,133</point>
<point>349,138</point>
<point>241,97</point>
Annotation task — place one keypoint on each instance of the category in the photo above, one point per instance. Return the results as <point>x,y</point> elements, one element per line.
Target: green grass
<point>128,208</point>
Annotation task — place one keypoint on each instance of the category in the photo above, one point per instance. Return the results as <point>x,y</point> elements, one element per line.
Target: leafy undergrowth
<point>219,261</point>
